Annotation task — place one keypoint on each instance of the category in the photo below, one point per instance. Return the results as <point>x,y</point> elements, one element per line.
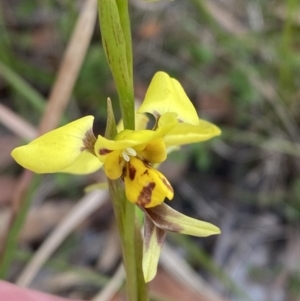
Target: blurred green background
<point>239,63</point>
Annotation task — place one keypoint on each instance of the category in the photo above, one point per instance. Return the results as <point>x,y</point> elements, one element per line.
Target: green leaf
<point>154,238</point>
<point>22,87</point>
<point>116,46</point>
<point>168,219</point>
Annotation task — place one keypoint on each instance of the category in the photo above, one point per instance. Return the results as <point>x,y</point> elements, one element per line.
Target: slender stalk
<point>22,87</point>
<point>125,220</point>
<point>129,231</point>
<point>116,41</point>
<point>17,224</point>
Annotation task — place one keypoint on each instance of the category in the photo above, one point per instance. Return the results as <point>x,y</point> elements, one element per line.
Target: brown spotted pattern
<point>146,172</point>
<point>131,172</point>
<point>144,197</point>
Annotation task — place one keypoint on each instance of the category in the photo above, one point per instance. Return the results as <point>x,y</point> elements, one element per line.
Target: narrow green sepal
<point>169,219</point>
<point>111,127</point>
<point>154,238</point>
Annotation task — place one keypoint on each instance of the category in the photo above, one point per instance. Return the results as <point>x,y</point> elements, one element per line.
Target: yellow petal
<point>154,152</point>
<point>144,185</point>
<point>114,165</point>
<point>129,138</point>
<point>166,119</point>
<point>55,150</point>
<point>185,133</point>
<point>165,94</point>
<point>85,163</point>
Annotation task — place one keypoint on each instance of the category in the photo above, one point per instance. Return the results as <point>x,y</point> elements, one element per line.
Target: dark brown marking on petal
<point>149,228</point>
<point>124,172</point>
<point>131,172</point>
<point>145,195</point>
<point>159,215</point>
<point>104,151</point>
<point>167,184</point>
<point>89,141</point>
<point>146,164</point>
<point>146,172</point>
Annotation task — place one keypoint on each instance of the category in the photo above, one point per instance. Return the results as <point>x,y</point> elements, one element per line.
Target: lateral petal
<point>184,133</point>
<point>57,149</point>
<point>85,163</point>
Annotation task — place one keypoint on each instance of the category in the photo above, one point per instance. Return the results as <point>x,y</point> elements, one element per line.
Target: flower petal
<point>144,185</point>
<point>55,150</point>
<point>185,133</point>
<point>113,167</point>
<point>165,94</point>
<point>129,138</point>
<point>85,163</point>
<point>154,238</point>
<point>154,152</point>
<point>169,219</point>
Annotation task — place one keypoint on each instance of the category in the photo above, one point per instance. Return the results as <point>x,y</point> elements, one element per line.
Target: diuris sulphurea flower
<point>73,148</point>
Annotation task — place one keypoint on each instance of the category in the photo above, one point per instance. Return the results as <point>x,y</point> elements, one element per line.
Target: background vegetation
<point>239,63</point>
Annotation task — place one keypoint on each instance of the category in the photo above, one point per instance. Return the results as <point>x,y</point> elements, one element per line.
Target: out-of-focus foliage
<point>239,63</point>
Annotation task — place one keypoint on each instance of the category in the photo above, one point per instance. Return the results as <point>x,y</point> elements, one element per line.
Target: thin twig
<point>225,19</point>
<point>112,286</point>
<point>283,112</point>
<point>87,205</point>
<point>183,273</point>
<point>16,124</point>
<point>59,97</point>
<point>70,66</point>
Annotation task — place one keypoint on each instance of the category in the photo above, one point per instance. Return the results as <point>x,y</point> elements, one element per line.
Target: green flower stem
<point>129,230</point>
<point>116,41</point>
<point>130,241</point>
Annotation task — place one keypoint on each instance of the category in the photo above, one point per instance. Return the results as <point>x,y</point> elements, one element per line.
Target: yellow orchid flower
<point>73,148</point>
